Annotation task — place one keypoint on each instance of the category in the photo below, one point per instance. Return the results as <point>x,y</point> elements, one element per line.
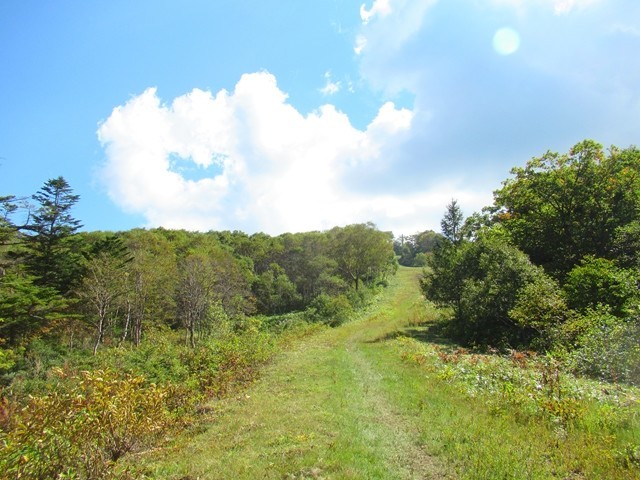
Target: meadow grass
<point>382,397</point>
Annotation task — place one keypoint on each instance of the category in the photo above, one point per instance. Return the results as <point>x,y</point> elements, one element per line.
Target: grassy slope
<point>344,405</point>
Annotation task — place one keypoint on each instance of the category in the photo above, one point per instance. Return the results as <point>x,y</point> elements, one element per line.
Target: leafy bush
<point>607,347</point>
<point>599,281</point>
<point>481,282</point>
<point>331,310</point>
<point>540,305</point>
<point>81,429</point>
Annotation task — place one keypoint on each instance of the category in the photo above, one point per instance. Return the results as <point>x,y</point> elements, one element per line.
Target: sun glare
<point>506,41</point>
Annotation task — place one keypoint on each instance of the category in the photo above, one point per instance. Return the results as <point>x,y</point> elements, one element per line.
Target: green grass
<point>374,399</point>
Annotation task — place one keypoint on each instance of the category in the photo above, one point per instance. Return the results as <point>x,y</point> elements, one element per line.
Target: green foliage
<point>541,306</point>
<point>204,287</point>
<point>27,309</point>
<point>561,208</point>
<point>238,360</point>
<point>82,428</point>
<point>625,247</point>
<point>53,253</point>
<point>442,279</point>
<point>160,359</point>
<point>103,294</point>
<point>413,250</point>
<point>124,298</point>
<point>421,260</point>
<point>275,292</point>
<point>605,346</point>
<point>598,281</point>
<point>331,310</point>
<point>482,281</point>
<point>496,272</point>
<point>362,253</point>
<point>452,223</point>
<point>576,216</point>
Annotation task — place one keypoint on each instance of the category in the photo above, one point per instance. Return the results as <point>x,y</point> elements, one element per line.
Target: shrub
<point>540,306</point>
<point>483,288</point>
<point>607,347</point>
<point>599,281</point>
<point>331,310</point>
<point>232,361</point>
<point>81,429</point>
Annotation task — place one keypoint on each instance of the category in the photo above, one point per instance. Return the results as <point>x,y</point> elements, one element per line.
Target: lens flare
<point>506,41</point>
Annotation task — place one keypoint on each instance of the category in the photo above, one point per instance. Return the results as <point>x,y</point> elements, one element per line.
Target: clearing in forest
<point>378,398</point>
<point>321,410</point>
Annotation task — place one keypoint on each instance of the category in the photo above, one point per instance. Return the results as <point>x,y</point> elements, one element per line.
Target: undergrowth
<point>532,389</point>
<point>75,415</point>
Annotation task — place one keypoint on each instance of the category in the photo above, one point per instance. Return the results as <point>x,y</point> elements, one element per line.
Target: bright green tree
<point>362,252</point>
<point>561,207</point>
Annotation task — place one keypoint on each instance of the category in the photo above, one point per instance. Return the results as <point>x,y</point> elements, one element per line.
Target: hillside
<point>377,398</point>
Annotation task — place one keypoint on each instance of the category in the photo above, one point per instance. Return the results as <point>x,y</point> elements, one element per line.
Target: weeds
<point>532,388</point>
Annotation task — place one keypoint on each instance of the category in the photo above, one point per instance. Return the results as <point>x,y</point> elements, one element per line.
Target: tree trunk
<point>126,324</point>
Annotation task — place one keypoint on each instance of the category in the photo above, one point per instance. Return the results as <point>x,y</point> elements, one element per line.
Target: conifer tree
<point>53,255</point>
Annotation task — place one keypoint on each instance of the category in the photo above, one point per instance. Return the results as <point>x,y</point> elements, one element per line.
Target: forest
<point>112,342</point>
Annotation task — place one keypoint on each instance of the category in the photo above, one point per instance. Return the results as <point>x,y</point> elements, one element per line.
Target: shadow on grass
<point>428,332</point>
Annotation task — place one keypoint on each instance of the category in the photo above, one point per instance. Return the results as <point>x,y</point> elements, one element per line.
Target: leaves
<point>84,428</point>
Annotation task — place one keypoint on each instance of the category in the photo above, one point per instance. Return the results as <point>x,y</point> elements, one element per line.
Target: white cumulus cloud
<point>379,7</point>
<point>264,166</point>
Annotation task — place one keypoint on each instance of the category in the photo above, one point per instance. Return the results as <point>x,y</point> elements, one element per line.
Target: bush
<point>333,311</point>
<point>607,347</point>
<point>81,429</point>
<point>158,358</point>
<point>481,282</point>
<point>599,281</point>
<point>541,307</point>
<point>226,363</point>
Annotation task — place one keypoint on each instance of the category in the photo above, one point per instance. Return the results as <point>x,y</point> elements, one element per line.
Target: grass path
<point>325,409</point>
<point>347,403</point>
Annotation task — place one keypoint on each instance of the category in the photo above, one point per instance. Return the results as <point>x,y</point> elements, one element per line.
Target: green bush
<point>158,358</point>
<point>234,360</point>
<point>541,307</point>
<point>598,281</point>
<point>331,310</point>
<point>606,347</point>
<point>481,281</point>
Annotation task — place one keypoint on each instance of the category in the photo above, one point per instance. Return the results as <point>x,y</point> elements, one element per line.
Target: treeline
<point>112,286</point>
<point>552,265</point>
<point>414,250</point>
<point>97,328</point>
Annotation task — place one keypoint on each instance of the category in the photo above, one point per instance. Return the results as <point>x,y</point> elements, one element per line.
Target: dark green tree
<point>452,223</point>
<point>53,254</point>
<point>26,309</point>
<point>481,281</point>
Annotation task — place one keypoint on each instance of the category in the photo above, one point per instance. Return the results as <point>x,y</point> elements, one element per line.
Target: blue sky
<point>287,115</point>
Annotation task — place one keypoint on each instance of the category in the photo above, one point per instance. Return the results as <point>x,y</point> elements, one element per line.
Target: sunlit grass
<point>383,397</point>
